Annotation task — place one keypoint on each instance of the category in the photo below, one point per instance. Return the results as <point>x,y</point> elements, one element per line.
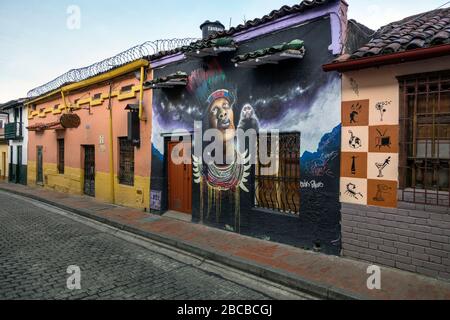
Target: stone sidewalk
<point>321,275</point>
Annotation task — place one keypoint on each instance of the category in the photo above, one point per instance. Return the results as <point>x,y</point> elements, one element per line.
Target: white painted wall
<point>24,142</point>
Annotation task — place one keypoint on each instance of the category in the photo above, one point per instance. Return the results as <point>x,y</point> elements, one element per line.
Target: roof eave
<point>13,104</point>
<point>100,78</point>
<point>388,59</point>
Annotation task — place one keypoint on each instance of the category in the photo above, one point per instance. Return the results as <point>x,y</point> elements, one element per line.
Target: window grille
<point>425,138</point>
<point>126,162</point>
<point>277,185</point>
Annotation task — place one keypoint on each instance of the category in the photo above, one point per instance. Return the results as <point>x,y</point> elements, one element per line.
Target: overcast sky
<point>37,46</point>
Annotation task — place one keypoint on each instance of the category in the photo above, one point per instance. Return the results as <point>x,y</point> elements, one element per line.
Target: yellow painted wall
<point>69,182</point>
<point>31,175</point>
<point>4,148</point>
<point>137,196</point>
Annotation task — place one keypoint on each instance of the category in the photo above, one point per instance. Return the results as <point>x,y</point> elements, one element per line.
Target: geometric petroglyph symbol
<point>354,165</point>
<point>381,107</point>
<point>356,108</point>
<point>382,166</point>
<point>352,192</point>
<point>382,190</point>
<point>354,141</point>
<point>383,140</point>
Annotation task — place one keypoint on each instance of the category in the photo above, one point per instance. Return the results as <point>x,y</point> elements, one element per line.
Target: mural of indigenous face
<point>221,114</point>
<point>231,175</point>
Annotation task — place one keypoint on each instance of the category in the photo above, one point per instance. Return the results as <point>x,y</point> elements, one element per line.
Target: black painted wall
<point>295,95</point>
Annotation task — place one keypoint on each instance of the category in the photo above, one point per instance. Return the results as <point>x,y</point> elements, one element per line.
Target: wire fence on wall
<point>146,49</point>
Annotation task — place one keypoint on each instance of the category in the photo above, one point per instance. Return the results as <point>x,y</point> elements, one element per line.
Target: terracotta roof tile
<point>274,15</point>
<point>420,31</point>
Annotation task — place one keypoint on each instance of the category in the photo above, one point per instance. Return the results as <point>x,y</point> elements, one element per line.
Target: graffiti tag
<point>313,184</point>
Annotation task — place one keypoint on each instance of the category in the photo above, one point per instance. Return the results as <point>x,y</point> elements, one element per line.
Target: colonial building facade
<point>16,138</point>
<point>265,75</point>
<point>396,146</point>
<point>92,137</point>
<point>3,147</point>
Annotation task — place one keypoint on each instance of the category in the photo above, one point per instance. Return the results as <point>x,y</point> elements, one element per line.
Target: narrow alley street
<point>37,246</point>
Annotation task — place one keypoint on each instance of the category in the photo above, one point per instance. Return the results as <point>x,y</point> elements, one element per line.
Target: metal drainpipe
<point>141,96</point>
<point>111,151</point>
<point>64,100</point>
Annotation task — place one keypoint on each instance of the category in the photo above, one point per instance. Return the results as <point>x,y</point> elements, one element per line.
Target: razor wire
<point>147,49</point>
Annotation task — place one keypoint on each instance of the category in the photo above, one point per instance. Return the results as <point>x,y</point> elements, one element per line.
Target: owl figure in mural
<point>233,174</point>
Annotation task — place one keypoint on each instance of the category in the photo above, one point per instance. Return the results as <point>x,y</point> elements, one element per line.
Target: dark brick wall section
<point>414,238</point>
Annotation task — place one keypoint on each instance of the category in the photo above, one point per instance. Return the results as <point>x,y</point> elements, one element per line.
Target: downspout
<point>141,97</point>
<point>64,100</point>
<point>111,151</point>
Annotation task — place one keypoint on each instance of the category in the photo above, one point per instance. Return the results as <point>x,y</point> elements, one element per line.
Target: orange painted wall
<point>94,124</point>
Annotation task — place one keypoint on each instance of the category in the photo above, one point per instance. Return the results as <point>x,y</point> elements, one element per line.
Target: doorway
<point>179,181</point>
<point>3,165</point>
<point>39,169</point>
<point>19,164</point>
<point>89,170</point>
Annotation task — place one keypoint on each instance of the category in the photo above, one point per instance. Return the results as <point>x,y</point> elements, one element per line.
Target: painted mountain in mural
<point>324,163</point>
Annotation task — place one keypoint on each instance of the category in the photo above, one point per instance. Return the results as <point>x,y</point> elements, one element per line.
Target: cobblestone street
<point>37,246</point>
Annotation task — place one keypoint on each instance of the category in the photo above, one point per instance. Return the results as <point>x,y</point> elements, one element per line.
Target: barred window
<point>277,184</point>
<point>126,162</point>
<point>61,156</point>
<point>425,138</point>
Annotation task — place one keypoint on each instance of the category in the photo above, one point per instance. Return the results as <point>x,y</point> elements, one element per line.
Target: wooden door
<point>19,164</point>
<point>89,171</point>
<point>180,182</point>
<point>3,165</point>
<point>40,169</point>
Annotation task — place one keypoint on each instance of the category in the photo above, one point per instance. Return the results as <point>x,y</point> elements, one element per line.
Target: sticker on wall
<point>155,199</point>
<point>354,165</point>
<point>382,193</point>
<point>354,191</point>
<point>355,113</point>
<point>383,139</point>
<point>355,139</point>
<point>383,166</point>
<point>101,142</point>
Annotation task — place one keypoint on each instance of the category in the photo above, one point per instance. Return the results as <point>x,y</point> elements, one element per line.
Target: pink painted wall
<point>94,123</point>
